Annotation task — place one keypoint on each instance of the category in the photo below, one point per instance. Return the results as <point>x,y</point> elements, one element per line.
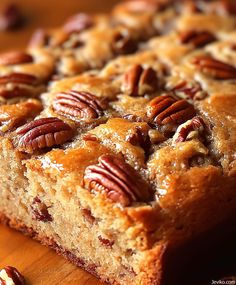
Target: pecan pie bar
<point>125,166</point>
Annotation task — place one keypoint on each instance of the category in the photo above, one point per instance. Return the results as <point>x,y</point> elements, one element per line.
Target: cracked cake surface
<point>117,136</point>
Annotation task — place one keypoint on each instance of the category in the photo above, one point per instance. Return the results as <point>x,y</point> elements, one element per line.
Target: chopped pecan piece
<point>89,137</point>
<point>139,81</point>
<point>106,242</point>
<point>196,125</point>
<point>43,133</point>
<point>80,104</point>
<point>123,43</point>
<point>191,91</point>
<point>165,109</point>
<point>196,38</point>
<point>78,23</point>
<point>133,118</point>
<point>15,57</point>
<point>116,179</point>
<point>10,275</point>
<point>214,68</point>
<point>140,138</point>
<point>40,211</point>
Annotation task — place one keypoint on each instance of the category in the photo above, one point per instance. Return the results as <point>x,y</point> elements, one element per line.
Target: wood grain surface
<point>39,264</point>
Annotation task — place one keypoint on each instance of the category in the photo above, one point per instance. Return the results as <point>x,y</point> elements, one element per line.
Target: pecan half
<point>196,125</point>
<point>214,68</point>
<point>78,23</point>
<point>116,179</point>
<point>139,81</point>
<point>40,211</point>
<point>167,110</point>
<point>79,104</point>
<point>43,133</point>
<point>19,78</point>
<point>10,275</point>
<point>15,57</point>
<point>122,43</point>
<point>196,38</point>
<point>19,85</point>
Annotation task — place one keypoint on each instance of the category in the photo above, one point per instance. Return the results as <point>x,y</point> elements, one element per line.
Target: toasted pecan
<point>43,133</point>
<point>19,78</point>
<point>117,180</point>
<point>166,109</point>
<point>196,124</point>
<point>10,275</point>
<point>196,38</point>
<point>214,68</point>
<point>140,81</point>
<point>123,43</point>
<point>15,57</point>
<point>79,104</point>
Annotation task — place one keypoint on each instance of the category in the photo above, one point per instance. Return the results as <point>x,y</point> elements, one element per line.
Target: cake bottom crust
<point>49,242</point>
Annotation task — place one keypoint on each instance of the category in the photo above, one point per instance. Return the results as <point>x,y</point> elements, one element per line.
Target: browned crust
<point>49,242</point>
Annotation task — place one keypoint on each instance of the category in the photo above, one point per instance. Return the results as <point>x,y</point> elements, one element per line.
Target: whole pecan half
<point>10,275</point>
<point>214,68</point>
<point>195,125</point>
<point>139,81</point>
<point>43,133</point>
<point>79,104</point>
<point>19,78</point>
<point>166,109</point>
<point>19,85</point>
<point>15,57</point>
<point>78,23</point>
<point>123,43</point>
<point>116,179</point>
<point>196,38</point>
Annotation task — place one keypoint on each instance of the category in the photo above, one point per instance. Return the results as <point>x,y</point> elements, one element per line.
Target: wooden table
<point>47,13</point>
<point>40,265</point>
